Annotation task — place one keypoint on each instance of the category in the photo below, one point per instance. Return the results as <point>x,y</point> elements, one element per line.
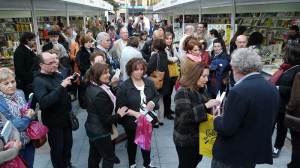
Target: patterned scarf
<point>194,58</point>
<point>15,104</point>
<point>109,93</point>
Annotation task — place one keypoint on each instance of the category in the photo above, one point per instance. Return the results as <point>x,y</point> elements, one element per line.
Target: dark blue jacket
<point>245,129</point>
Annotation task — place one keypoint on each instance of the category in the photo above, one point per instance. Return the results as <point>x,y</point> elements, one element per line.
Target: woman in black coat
<point>100,107</point>
<point>139,95</point>
<point>83,62</point>
<point>191,105</point>
<point>83,55</point>
<point>284,85</point>
<point>159,61</point>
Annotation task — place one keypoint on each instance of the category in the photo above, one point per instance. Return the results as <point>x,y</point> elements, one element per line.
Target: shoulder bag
<point>157,76</point>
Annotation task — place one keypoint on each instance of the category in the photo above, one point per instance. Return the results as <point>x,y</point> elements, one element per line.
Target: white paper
<point>6,131</point>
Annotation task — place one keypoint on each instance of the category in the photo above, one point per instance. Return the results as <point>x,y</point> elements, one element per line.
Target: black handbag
<point>151,117</point>
<point>292,122</point>
<point>74,121</point>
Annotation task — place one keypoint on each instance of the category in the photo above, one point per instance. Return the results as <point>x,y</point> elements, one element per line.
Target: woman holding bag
<point>159,62</point>
<point>139,95</point>
<point>173,67</point>
<point>191,105</point>
<point>12,107</point>
<point>100,107</point>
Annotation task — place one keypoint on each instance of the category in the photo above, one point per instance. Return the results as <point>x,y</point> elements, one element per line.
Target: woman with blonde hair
<point>12,108</point>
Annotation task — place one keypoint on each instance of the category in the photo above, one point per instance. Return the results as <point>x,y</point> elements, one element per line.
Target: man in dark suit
<point>25,63</point>
<point>245,127</point>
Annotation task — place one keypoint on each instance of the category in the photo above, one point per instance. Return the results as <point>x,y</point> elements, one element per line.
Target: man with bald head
<point>241,41</point>
<point>51,91</point>
<point>188,31</point>
<point>146,50</point>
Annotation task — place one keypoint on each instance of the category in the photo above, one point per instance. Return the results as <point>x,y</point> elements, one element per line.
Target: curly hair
<point>133,63</point>
<point>246,60</point>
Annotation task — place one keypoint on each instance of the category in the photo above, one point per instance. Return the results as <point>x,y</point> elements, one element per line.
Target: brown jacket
<point>293,107</point>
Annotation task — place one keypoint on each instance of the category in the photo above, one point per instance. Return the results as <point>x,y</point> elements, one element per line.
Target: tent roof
<point>22,8</point>
<point>225,6</point>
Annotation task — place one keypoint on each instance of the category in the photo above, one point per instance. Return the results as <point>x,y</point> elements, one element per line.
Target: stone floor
<point>163,152</point>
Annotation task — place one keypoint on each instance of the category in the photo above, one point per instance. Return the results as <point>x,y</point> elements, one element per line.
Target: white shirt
<point>146,23</point>
<point>127,54</point>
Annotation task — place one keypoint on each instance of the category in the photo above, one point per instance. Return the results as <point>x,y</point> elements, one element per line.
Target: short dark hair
<point>221,41</point>
<point>215,33</point>
<point>47,47</point>
<point>256,38</point>
<point>143,33</point>
<point>26,36</point>
<point>133,41</point>
<point>96,71</point>
<point>292,55</point>
<point>53,33</point>
<point>96,54</point>
<point>294,27</point>
<point>190,78</point>
<point>111,28</point>
<point>133,63</point>
<point>159,44</point>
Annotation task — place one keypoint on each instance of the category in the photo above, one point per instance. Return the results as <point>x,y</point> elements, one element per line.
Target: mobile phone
<point>74,77</point>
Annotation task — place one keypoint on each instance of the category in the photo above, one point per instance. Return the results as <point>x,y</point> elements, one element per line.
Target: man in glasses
<point>51,91</point>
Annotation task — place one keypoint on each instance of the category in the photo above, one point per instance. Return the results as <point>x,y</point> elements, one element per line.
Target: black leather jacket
<point>100,108</point>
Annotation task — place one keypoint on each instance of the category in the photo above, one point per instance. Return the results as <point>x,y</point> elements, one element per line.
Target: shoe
<point>132,166</point>
<point>161,123</point>
<point>172,112</point>
<point>150,166</point>
<point>170,117</point>
<point>276,152</point>
<point>155,126</point>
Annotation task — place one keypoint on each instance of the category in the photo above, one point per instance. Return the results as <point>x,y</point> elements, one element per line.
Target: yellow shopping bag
<point>207,136</point>
<point>173,70</point>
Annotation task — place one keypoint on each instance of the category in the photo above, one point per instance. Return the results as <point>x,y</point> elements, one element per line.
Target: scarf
<point>108,92</point>
<point>194,58</point>
<point>16,104</point>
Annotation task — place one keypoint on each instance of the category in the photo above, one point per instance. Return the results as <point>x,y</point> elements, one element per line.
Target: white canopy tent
<point>34,8</point>
<point>199,7</point>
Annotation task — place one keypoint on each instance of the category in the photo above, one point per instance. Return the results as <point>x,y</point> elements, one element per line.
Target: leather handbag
<point>37,143</point>
<point>74,121</point>
<point>292,122</point>
<point>157,76</point>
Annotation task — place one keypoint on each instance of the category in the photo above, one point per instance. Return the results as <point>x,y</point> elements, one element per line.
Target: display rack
<point>10,32</point>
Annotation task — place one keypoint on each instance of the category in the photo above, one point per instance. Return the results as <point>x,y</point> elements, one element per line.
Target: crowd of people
<point>119,74</point>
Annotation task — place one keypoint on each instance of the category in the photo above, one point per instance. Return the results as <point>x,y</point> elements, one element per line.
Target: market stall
<point>271,18</point>
<point>18,16</point>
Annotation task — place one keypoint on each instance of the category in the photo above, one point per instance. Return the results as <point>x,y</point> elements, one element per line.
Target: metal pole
<point>183,25</point>
<point>233,13</point>
<point>200,14</point>
<point>126,12</point>
<point>35,27</point>
<point>173,23</point>
<point>200,11</point>
<point>67,14</point>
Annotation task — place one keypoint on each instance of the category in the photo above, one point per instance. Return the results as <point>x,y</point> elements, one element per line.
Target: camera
<point>75,76</point>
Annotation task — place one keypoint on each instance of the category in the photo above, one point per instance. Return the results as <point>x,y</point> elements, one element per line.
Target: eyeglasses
<point>50,63</point>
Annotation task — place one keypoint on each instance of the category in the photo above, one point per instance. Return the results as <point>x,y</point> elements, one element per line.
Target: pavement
<point>163,154</point>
